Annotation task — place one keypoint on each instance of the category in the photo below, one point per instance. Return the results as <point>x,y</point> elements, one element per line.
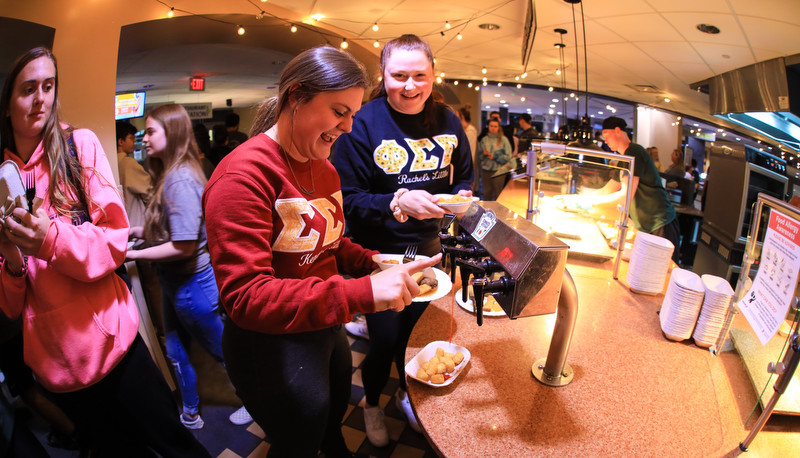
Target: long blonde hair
<point>181,150</point>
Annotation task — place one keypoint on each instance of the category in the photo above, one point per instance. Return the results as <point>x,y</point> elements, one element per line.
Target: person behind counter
<point>404,148</point>
<point>277,247</point>
<point>651,210</point>
<point>80,321</point>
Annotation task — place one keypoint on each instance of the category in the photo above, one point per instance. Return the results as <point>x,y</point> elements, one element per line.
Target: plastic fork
<point>30,190</point>
<point>411,253</point>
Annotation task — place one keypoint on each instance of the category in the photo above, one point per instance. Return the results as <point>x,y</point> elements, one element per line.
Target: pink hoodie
<point>79,319</point>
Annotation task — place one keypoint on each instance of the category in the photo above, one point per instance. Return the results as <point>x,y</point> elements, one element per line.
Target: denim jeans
<point>190,312</point>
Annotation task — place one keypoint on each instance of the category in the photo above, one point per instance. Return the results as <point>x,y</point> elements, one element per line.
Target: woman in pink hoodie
<point>58,260</point>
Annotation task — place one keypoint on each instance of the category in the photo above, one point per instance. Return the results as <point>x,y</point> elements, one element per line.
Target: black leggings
<point>131,411</point>
<point>388,337</point>
<point>295,386</point>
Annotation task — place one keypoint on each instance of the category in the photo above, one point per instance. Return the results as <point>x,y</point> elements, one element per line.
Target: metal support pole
<point>554,370</point>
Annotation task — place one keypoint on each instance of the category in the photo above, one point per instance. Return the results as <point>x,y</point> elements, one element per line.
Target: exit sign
<point>197,84</point>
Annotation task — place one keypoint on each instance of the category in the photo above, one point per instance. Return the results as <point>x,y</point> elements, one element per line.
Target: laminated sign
<point>766,303</point>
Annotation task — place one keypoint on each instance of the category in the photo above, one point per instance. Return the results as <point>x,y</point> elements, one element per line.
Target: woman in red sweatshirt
<point>274,220</point>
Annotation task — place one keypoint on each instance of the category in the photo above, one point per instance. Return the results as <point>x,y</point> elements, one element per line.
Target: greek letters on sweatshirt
<point>276,251</point>
<point>388,150</point>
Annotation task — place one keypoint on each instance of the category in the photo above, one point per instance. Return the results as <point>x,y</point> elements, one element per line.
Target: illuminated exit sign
<point>197,84</point>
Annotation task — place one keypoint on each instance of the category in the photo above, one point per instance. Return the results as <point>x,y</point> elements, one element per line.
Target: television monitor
<point>128,105</point>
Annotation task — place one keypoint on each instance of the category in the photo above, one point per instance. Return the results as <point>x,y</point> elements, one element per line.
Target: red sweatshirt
<point>276,251</point>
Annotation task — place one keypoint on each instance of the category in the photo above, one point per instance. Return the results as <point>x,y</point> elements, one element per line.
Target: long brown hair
<point>315,70</point>
<point>64,169</point>
<point>432,110</point>
<point>181,150</point>
<point>500,134</point>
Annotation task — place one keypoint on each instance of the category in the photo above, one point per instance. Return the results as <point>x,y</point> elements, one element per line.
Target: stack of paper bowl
<point>682,304</point>
<point>649,263</point>
<point>715,307</point>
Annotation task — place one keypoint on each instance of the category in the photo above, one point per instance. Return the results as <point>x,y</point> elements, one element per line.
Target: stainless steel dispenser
<point>534,279</point>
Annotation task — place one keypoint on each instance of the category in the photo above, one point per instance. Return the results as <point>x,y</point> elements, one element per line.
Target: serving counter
<point>635,393</point>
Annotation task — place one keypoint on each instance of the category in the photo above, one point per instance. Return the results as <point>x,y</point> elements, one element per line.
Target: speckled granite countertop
<point>635,393</point>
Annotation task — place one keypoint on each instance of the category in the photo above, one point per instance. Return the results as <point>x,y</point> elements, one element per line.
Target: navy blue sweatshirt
<point>388,150</point>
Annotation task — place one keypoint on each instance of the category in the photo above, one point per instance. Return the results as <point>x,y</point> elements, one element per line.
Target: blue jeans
<point>190,312</point>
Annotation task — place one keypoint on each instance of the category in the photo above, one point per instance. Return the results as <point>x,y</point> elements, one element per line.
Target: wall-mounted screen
<point>129,105</point>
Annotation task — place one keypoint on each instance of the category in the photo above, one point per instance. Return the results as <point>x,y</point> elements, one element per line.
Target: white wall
<point>658,128</point>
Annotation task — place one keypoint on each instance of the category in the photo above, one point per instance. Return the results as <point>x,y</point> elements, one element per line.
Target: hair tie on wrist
<point>22,272</point>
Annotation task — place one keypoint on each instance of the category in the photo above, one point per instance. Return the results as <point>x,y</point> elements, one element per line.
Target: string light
<point>478,88</point>
<point>294,28</point>
<point>263,1</point>
<point>483,70</point>
<point>485,79</point>
<point>438,80</point>
<point>171,12</point>
<point>459,36</point>
<point>499,84</point>
<point>469,84</point>
<point>447,25</point>
<point>376,44</point>
<point>260,15</point>
<point>666,99</point>
<point>519,86</point>
<point>455,83</point>
<point>558,71</point>
<point>550,89</point>
<point>375,27</point>
<point>522,99</point>
<point>524,75</point>
<point>344,44</point>
<point>240,30</point>
<point>441,74</point>
<point>485,83</point>
<point>516,78</point>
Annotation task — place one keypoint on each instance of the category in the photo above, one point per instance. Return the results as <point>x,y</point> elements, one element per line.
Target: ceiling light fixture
<point>524,75</point>
<point>171,12</point>
<point>344,44</point>
<point>260,15</point>
<point>459,36</point>
<point>293,29</point>
<point>317,17</point>
<point>483,70</point>
<point>519,86</point>
<point>446,25</point>
<point>469,84</point>
<point>375,27</point>
<point>376,44</point>
<point>455,83</point>
<point>240,30</point>
<point>488,26</point>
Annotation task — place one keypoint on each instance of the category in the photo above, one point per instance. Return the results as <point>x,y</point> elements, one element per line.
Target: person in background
<point>508,131</point>
<point>235,138</point>
<point>677,168</point>
<point>495,153</point>
<point>527,134</point>
<point>388,186</point>
<point>203,148</point>
<point>277,246</point>
<point>133,178</point>
<point>653,151</point>
<point>472,137</point>
<point>175,233</point>
<point>219,149</point>
<point>79,321</point>
<point>651,210</point>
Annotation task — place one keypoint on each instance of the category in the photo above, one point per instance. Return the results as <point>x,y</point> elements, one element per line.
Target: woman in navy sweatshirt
<point>403,149</point>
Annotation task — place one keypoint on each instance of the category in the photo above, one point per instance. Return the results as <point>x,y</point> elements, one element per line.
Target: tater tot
<point>441,368</point>
<point>440,352</point>
<point>449,365</point>
<point>438,379</point>
<point>422,375</point>
<point>458,358</point>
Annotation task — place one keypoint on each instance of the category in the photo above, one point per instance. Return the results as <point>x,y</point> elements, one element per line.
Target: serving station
<point>629,390</point>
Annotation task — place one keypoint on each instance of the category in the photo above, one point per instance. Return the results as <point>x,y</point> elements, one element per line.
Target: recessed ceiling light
<point>489,26</point>
<point>708,28</point>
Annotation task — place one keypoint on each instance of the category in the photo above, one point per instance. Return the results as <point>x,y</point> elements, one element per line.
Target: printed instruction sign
<point>768,300</point>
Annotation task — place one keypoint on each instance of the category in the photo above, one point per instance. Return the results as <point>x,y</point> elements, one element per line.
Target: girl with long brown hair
<point>175,232</point>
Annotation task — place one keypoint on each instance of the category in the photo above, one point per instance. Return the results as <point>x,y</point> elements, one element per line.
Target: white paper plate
<point>429,352</point>
<point>468,306</point>
<point>460,207</point>
<point>444,287</point>
<point>381,259</point>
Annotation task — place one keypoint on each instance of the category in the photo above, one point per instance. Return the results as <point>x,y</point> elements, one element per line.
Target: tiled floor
<point>404,442</point>
<point>225,440</point>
